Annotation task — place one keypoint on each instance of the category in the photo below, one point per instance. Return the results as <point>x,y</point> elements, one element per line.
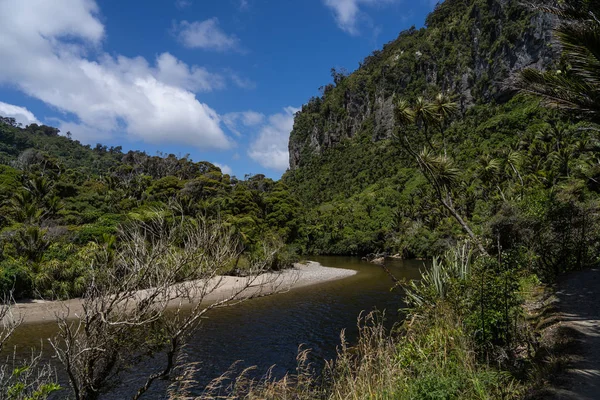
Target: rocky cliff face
<point>469,48</point>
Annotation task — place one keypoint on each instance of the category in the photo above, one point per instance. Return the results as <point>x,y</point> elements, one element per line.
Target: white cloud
<point>347,12</point>
<point>181,4</point>
<point>244,5</point>
<point>45,48</point>
<point>174,72</point>
<point>245,118</point>
<point>243,83</point>
<point>225,169</point>
<point>270,148</point>
<point>20,114</point>
<point>205,35</point>
<point>84,133</point>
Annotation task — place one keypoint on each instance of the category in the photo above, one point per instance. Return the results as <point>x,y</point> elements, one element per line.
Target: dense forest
<point>517,164</point>
<point>61,200</point>
<point>353,187</point>
<point>472,141</point>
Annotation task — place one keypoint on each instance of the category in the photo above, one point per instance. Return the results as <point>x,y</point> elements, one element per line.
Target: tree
<point>439,171</point>
<point>445,109</point>
<point>31,242</point>
<point>575,88</point>
<point>157,266</point>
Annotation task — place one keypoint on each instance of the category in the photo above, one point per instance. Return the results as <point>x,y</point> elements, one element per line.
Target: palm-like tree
<point>445,109</point>
<point>403,113</point>
<point>53,205</point>
<point>512,160</point>
<point>577,88</point>
<point>39,187</point>
<point>425,117</point>
<point>25,209</point>
<point>426,114</point>
<point>562,160</point>
<point>488,171</point>
<point>443,175</point>
<point>488,168</point>
<point>439,170</point>
<point>31,242</point>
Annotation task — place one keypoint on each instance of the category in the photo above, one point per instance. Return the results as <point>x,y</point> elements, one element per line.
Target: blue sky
<point>218,79</point>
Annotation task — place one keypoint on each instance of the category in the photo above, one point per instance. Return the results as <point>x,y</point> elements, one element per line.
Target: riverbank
<point>301,275</point>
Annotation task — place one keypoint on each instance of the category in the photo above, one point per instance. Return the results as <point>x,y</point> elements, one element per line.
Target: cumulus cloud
<point>205,35</point>
<point>20,114</point>
<point>270,148</point>
<point>347,12</point>
<point>246,118</point>
<point>174,72</point>
<point>45,47</point>
<point>225,169</point>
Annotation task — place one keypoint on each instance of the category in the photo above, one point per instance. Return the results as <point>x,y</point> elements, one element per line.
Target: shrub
<point>15,277</point>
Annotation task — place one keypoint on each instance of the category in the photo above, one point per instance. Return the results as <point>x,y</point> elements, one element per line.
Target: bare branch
<point>158,265</point>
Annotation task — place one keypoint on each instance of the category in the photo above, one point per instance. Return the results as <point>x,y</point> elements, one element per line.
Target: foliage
<point>60,199</point>
<point>575,86</point>
<point>432,359</point>
<point>27,382</point>
<point>513,166</point>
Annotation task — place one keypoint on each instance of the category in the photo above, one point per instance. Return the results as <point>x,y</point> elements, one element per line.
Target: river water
<point>267,331</point>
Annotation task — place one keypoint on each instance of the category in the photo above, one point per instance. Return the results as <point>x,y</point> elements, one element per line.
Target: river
<point>268,331</point>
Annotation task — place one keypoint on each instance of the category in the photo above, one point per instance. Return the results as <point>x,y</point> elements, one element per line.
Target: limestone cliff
<point>469,48</point>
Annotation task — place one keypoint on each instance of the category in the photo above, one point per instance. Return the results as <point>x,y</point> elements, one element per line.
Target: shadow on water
<point>268,331</point>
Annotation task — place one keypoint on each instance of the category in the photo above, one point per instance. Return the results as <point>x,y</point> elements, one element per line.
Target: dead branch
<point>158,266</point>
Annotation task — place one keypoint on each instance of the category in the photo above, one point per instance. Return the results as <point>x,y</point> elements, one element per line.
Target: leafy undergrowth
<point>471,333</point>
<point>430,358</point>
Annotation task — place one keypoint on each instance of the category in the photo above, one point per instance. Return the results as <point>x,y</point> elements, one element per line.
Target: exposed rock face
<point>471,49</point>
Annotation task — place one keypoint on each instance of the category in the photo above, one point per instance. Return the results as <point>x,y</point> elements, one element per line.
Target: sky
<point>219,80</point>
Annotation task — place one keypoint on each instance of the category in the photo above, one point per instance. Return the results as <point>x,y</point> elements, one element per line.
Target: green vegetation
<point>514,180</point>
<point>420,152</point>
<point>518,167</point>
<point>574,86</point>
<point>62,201</point>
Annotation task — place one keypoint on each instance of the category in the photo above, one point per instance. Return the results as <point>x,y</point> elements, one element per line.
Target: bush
<point>15,277</point>
<point>494,301</point>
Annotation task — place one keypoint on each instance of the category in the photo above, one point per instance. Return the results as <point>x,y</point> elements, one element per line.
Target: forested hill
<point>61,201</point>
<point>505,157</point>
<point>468,48</point>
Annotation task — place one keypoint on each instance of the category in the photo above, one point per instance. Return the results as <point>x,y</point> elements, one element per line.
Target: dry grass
<point>431,359</point>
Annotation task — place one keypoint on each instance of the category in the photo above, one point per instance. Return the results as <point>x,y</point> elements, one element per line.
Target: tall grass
<point>431,359</point>
<point>431,355</point>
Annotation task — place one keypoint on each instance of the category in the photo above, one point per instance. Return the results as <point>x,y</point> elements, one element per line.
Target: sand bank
<point>38,311</point>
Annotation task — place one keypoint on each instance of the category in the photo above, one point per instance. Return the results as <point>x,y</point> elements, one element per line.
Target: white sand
<point>38,311</point>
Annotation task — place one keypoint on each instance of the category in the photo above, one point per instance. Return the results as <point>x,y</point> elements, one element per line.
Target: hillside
<point>362,188</point>
<point>61,202</point>
<point>467,48</point>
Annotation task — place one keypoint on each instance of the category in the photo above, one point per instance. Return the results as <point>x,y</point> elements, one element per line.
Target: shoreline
<point>301,275</point>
